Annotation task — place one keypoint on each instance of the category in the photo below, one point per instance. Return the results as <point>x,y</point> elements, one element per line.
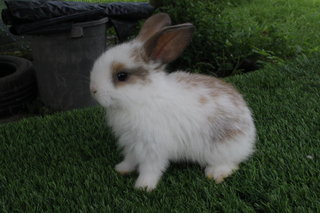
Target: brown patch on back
<point>224,126</point>
<point>203,100</point>
<point>197,80</point>
<point>217,87</point>
<point>231,133</point>
<point>135,75</point>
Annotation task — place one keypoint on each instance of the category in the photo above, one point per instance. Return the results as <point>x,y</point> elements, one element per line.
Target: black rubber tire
<point>17,83</point>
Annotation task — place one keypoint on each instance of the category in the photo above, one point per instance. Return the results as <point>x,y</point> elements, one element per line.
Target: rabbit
<point>159,117</point>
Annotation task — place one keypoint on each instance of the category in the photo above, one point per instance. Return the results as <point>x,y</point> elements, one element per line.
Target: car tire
<point>17,84</point>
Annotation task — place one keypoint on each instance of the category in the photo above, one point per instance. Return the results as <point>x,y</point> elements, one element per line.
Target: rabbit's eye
<point>122,76</point>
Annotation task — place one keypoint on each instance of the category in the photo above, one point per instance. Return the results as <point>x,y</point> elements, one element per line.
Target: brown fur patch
<point>138,74</point>
<point>231,133</point>
<point>218,87</point>
<point>197,79</point>
<point>116,67</point>
<point>203,100</point>
<point>224,127</point>
<point>136,55</point>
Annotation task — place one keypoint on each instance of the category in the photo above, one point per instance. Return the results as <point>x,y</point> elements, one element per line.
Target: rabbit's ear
<point>153,25</point>
<point>168,44</point>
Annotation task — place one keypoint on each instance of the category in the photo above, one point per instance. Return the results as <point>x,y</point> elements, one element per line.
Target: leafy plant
<point>238,35</point>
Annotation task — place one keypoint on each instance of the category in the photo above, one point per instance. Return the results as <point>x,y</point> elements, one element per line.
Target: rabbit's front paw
<point>219,173</point>
<point>125,167</point>
<point>147,182</point>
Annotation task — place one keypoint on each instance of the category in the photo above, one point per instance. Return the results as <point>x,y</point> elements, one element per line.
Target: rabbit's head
<point>125,71</point>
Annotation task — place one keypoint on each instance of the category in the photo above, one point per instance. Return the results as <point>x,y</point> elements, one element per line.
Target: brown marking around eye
<point>135,75</point>
<point>116,67</point>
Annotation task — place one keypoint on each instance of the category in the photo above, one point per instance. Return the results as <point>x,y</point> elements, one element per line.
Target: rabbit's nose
<point>93,89</point>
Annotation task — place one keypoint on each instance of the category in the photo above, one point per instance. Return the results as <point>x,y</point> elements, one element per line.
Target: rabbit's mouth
<point>108,102</point>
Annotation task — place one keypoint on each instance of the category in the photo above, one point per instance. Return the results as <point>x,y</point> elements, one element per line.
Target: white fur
<point>163,120</point>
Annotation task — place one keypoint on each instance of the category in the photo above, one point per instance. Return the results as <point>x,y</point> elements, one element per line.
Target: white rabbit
<point>160,117</point>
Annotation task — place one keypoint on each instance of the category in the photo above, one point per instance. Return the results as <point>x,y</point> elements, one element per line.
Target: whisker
<point>83,79</point>
<point>83,76</point>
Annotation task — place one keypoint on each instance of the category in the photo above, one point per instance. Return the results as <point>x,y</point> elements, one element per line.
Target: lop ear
<point>153,25</point>
<point>168,44</point>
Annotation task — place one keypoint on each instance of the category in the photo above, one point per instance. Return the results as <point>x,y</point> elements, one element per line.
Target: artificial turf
<point>64,162</point>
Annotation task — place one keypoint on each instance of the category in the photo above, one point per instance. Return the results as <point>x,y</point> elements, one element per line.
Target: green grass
<point>64,162</point>
<point>295,22</point>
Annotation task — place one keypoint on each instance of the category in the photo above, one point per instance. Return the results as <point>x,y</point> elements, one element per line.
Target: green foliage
<point>205,51</point>
<point>64,162</point>
<point>228,32</point>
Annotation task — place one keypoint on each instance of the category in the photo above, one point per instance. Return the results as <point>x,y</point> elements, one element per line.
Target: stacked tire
<point>17,84</point>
